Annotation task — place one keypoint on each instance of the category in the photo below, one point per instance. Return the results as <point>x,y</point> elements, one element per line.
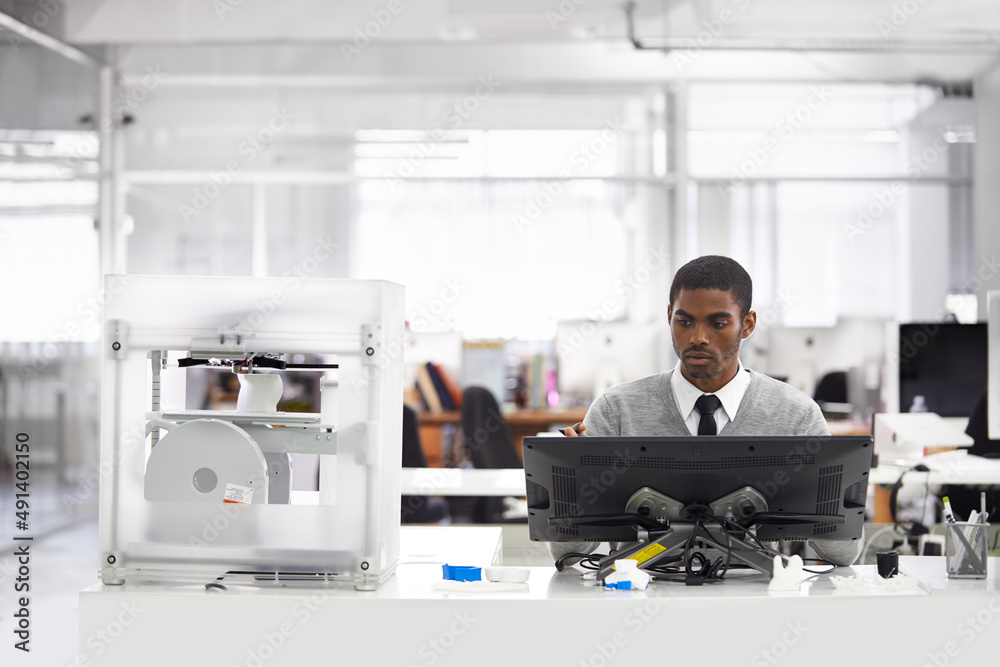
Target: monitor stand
<point>670,542</point>
<point>665,525</point>
<point>675,523</point>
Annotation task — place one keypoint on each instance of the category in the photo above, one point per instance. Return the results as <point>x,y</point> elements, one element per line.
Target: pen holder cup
<point>965,550</point>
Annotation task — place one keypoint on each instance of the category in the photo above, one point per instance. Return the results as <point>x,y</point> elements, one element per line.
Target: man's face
<point>706,328</point>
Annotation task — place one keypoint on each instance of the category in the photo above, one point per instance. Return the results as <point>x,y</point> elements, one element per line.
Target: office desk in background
<point>522,423</point>
<point>462,482</point>
<point>954,467</point>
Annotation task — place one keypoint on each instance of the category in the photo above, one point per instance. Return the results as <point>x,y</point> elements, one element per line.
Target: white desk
<point>462,482</point>
<point>558,620</point>
<point>947,468</point>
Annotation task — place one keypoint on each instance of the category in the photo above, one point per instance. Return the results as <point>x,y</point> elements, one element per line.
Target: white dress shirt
<point>730,396</point>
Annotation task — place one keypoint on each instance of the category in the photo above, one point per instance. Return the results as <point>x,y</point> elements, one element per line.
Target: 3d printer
<point>208,495</point>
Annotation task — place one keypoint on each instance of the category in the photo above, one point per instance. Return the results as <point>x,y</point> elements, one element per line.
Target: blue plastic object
<point>461,573</point>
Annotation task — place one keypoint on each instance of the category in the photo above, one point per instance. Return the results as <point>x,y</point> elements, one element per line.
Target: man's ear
<point>749,323</point>
<point>670,312</point>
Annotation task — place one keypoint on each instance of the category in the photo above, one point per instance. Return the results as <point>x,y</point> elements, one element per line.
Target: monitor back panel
<point>568,477</point>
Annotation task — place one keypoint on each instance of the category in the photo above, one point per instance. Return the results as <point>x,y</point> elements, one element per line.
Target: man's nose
<point>699,335</point>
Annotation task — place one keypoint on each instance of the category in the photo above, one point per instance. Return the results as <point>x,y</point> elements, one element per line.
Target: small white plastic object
<point>507,575</point>
<point>259,392</point>
<point>875,584</point>
<point>627,575</point>
<point>919,404</point>
<point>786,578</point>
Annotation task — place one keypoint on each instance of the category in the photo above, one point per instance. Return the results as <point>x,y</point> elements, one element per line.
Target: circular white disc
<point>182,464</point>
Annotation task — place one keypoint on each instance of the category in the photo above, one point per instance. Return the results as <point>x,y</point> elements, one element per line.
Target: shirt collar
<point>730,395</point>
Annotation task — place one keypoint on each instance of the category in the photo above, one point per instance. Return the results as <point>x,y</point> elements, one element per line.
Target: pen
<point>982,506</point>
<point>966,542</point>
<point>948,516</point>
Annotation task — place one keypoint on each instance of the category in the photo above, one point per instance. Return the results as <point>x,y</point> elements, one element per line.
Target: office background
<point>519,167</point>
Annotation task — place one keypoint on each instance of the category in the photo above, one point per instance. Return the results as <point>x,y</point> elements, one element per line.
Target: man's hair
<point>715,272</point>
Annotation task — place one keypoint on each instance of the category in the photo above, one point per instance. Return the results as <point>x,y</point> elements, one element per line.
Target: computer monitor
<point>946,363</point>
<point>790,487</point>
<point>595,355</point>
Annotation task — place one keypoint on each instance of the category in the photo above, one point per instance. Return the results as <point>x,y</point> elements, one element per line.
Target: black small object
<point>269,362</point>
<point>932,549</point>
<point>887,563</point>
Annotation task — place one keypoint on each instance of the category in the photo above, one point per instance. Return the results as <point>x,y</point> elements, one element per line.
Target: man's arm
<point>602,419</point>
<point>813,422</point>
<point>841,553</point>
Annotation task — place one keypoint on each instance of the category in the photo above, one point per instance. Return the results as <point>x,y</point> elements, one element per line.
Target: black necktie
<point>707,404</point>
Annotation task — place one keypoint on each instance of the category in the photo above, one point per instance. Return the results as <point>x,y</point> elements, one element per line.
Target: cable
<point>816,573</point>
<point>713,571</point>
<point>729,544</point>
<point>587,561</point>
<point>692,566</point>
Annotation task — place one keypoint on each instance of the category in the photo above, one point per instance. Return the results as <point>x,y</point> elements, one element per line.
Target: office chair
<point>832,388</point>
<point>489,444</point>
<point>418,509</point>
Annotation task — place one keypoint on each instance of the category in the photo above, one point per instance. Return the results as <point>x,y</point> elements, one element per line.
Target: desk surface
<point>558,619</point>
<point>462,482</point>
<point>955,467</point>
<point>516,418</point>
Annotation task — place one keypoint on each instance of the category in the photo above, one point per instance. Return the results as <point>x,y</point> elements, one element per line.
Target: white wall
<point>987,195</point>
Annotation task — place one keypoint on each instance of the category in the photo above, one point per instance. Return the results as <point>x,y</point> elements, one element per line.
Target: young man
<point>709,392</point>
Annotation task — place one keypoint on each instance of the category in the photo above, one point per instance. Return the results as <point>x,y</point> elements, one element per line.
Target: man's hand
<point>576,429</point>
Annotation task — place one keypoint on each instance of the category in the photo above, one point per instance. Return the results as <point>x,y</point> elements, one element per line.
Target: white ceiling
<point>548,41</point>
<point>145,21</point>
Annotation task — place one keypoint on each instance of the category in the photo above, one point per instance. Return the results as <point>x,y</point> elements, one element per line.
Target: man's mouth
<point>698,357</point>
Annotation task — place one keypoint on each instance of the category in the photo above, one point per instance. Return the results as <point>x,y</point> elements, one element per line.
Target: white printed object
<point>259,392</point>
<point>508,575</point>
<point>627,569</point>
<point>786,578</point>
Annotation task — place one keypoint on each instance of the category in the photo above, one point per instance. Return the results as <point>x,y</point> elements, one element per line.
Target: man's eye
<point>720,325</point>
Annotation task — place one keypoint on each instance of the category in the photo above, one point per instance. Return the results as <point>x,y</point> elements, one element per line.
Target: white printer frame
<point>346,530</point>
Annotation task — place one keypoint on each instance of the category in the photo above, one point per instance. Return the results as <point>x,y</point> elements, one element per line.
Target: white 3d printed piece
<point>259,392</point>
<point>627,570</point>
<point>787,578</point>
<point>509,575</point>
